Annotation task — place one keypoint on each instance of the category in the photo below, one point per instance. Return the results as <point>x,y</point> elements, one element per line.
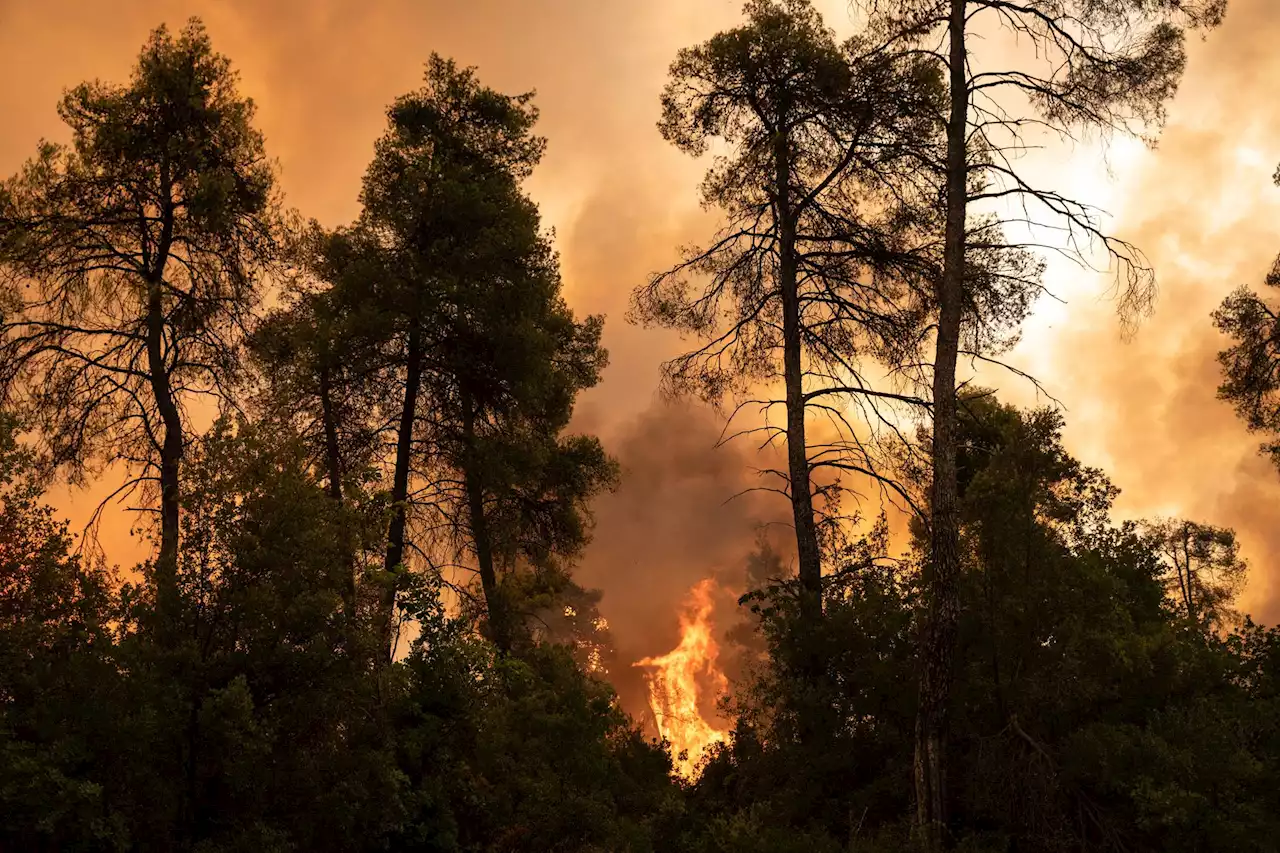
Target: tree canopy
<point>362,627</point>
<point>131,261</point>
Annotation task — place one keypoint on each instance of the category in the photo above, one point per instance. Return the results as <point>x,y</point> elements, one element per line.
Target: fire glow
<point>677,679</point>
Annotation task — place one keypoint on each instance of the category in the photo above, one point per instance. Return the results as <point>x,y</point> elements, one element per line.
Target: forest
<point>354,457</point>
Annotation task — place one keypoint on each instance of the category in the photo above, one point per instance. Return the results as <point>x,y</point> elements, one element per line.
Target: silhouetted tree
<point>508,360</point>
<point>271,663</point>
<point>814,273</point>
<point>130,263</point>
<point>321,369</point>
<point>1095,66</point>
<point>1251,364</point>
<point>1086,716</point>
<point>1205,568</point>
<point>317,358</point>
<point>502,386</point>
<point>489,357</point>
<point>429,203</point>
<point>56,611</point>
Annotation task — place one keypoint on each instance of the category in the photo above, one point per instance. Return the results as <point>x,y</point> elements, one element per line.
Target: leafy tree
<point>1205,568</point>
<point>318,358</point>
<point>1069,655</point>
<point>265,728</point>
<point>1251,364</point>
<point>322,371</point>
<point>1089,66</point>
<point>540,757</point>
<point>1088,714</point>
<point>812,274</point>
<point>259,723</point>
<point>503,385</point>
<point>433,201</point>
<point>55,615</point>
<point>255,722</point>
<point>130,262</point>
<point>490,350</point>
<point>816,757</point>
<point>555,610</point>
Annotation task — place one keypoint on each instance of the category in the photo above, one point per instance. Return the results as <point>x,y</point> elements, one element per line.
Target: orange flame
<point>678,677</point>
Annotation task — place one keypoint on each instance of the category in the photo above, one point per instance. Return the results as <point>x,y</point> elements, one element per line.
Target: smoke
<point>686,511</point>
<point>1203,208</point>
<point>622,200</point>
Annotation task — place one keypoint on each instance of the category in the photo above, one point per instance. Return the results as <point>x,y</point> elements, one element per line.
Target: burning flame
<point>677,678</point>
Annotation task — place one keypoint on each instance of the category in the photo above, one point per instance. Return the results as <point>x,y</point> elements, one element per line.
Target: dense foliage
<point>1091,712</point>
<point>368,636</point>
<point>1091,709</point>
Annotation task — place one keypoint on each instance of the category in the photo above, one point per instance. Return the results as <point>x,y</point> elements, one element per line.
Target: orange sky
<point>621,200</point>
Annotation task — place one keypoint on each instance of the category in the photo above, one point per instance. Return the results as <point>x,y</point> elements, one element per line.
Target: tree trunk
<point>943,568</point>
<point>499,623</point>
<point>333,462</point>
<point>333,456</point>
<point>808,555</point>
<point>171,447</point>
<point>400,489</point>
<point>1186,558</point>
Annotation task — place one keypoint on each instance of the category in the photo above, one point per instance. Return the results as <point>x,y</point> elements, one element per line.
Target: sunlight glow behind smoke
<point>677,681</point>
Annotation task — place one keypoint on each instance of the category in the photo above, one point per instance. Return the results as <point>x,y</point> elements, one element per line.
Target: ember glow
<point>680,679</point>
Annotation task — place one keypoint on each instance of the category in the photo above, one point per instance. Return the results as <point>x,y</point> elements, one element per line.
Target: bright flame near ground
<point>676,679</point>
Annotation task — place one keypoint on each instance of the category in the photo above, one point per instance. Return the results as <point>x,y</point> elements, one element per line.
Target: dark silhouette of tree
<point>259,724</point>
<point>56,610</point>
<point>1205,568</point>
<point>502,381</point>
<point>317,358</point>
<point>130,262</point>
<point>270,659</point>
<point>1105,67</point>
<point>429,202</point>
<point>1078,691</point>
<point>828,266</point>
<point>816,271</point>
<point>506,364</point>
<point>321,370</point>
<point>1251,364</point>
<point>301,354</point>
<point>489,357</point>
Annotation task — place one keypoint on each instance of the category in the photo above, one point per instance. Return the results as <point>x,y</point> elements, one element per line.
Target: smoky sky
<point>622,201</point>
<point>687,510</point>
<point>1203,207</point>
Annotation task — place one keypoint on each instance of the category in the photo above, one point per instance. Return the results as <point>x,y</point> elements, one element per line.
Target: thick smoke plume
<point>686,511</point>
<point>1204,209</point>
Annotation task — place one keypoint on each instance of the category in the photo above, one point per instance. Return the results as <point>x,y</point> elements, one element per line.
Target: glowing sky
<point>621,200</point>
